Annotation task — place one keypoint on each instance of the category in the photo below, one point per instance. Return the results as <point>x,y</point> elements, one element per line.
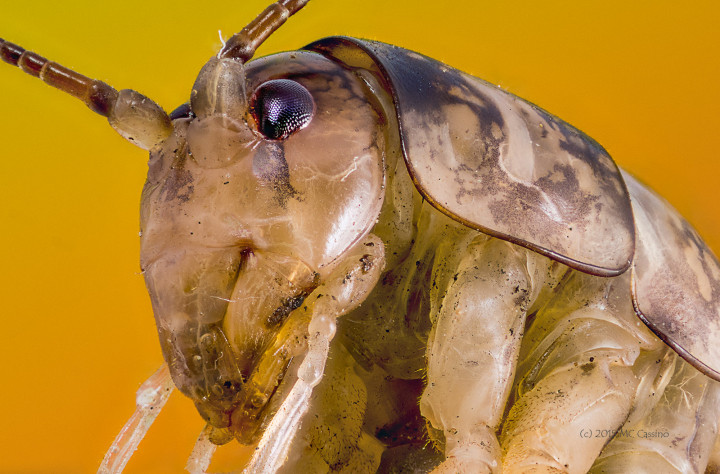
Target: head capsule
<point>273,172</point>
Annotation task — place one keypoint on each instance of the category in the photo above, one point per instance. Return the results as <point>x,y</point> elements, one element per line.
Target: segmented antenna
<point>134,116</point>
<point>96,94</point>
<point>243,45</point>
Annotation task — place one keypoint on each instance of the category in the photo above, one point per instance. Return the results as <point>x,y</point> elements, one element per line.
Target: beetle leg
<point>347,287</point>
<point>150,399</point>
<point>677,431</point>
<point>331,436</point>
<point>202,453</point>
<point>473,350</point>
<point>582,361</point>
<point>560,425</point>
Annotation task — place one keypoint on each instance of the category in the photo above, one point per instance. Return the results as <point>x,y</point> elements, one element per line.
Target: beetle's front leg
<point>473,349</point>
<point>309,329</point>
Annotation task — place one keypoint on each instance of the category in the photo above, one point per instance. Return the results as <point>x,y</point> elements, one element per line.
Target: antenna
<point>242,45</point>
<point>134,116</point>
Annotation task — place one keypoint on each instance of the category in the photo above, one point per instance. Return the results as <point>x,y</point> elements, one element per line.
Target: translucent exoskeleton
<point>338,361</point>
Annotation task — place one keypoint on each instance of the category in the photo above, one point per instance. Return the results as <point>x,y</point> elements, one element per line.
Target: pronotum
<point>661,114</point>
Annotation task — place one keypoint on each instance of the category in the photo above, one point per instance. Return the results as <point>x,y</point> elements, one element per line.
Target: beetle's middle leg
<point>583,358</point>
<point>473,349</point>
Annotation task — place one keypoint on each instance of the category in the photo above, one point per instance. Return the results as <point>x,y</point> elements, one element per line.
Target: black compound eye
<point>183,111</point>
<point>282,107</point>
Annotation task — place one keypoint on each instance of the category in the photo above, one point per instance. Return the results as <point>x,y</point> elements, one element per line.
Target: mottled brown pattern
<point>676,281</point>
<point>502,165</point>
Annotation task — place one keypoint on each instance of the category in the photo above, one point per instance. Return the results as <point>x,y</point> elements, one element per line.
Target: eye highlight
<point>281,107</point>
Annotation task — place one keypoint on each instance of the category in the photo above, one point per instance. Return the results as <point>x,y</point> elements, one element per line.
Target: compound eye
<point>281,107</point>
<point>183,111</point>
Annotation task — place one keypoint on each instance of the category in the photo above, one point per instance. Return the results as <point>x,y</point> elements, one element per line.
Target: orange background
<point>78,335</point>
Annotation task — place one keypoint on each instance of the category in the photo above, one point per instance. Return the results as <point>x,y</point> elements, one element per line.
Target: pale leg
<point>558,426</point>
<point>472,353</point>
<point>202,453</point>
<point>676,433</point>
<point>343,291</point>
<point>576,381</point>
<point>331,437</point>
<point>150,398</point>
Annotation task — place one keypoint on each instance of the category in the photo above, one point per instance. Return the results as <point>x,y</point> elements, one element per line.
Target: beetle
<point>547,106</point>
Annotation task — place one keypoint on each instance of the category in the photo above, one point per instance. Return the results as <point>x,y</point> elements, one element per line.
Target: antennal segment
<point>243,45</point>
<point>97,95</point>
<point>134,116</point>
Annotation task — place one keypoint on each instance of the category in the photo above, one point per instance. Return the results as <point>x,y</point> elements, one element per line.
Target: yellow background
<point>77,335</point>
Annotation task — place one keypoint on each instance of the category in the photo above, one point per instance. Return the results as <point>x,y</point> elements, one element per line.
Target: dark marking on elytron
<point>539,188</point>
<point>560,181</point>
<point>580,203</point>
<point>676,281</point>
<point>486,151</point>
<point>578,143</point>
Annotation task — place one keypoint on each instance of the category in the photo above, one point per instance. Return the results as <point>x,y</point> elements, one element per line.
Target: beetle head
<point>244,213</point>
<point>255,191</point>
